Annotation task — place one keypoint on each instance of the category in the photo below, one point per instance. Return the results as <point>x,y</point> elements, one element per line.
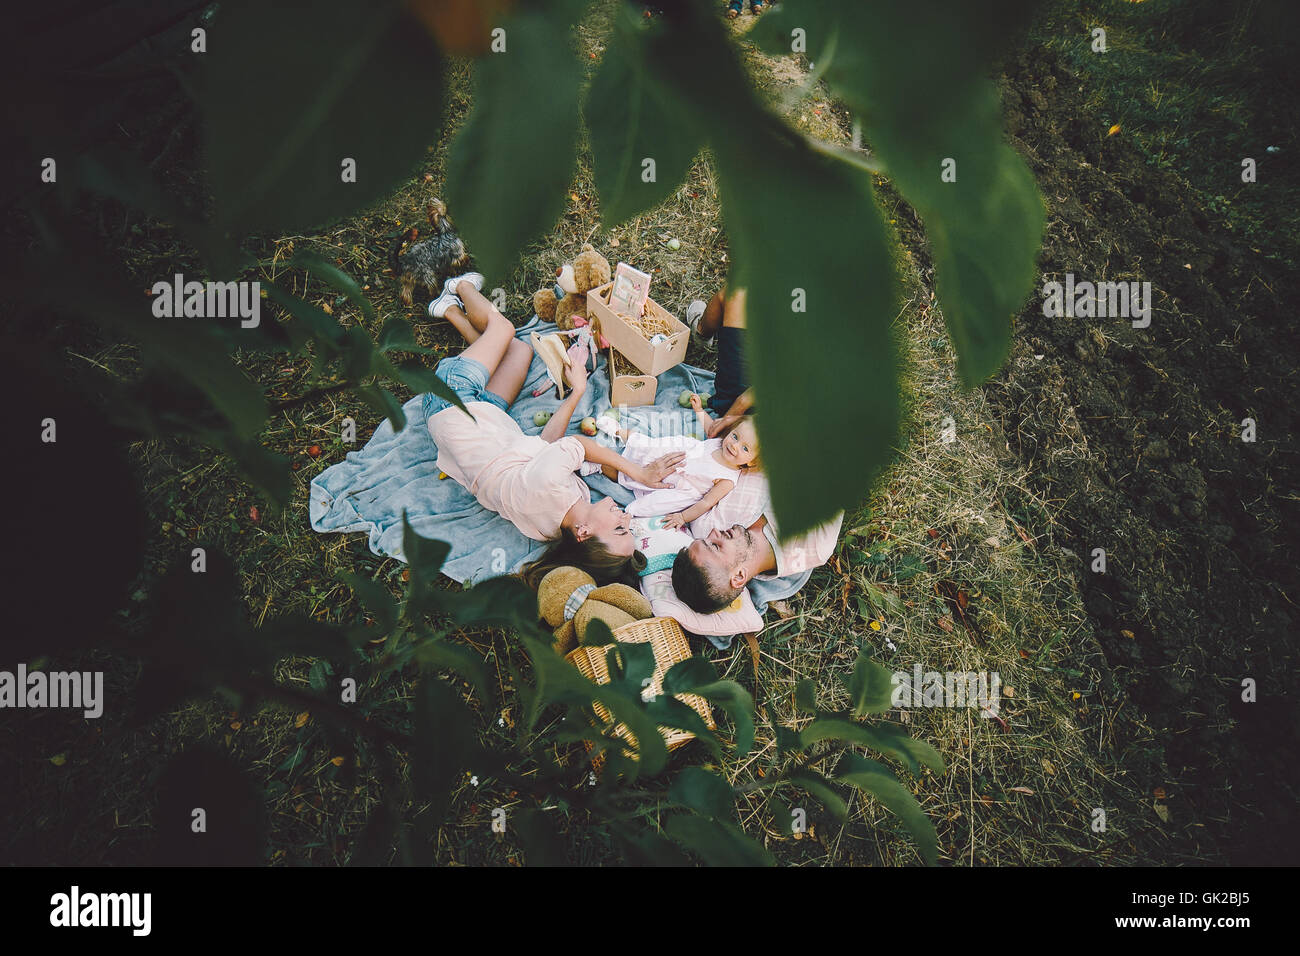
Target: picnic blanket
<point>398,471</point>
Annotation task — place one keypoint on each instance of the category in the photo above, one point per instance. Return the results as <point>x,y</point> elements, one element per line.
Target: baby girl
<point>701,481</point>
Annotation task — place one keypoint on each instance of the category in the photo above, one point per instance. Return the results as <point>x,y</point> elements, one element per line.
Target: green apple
<point>588,427</point>
<point>541,418</point>
<point>684,399</point>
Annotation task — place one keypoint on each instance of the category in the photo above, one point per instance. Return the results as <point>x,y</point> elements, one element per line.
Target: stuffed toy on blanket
<point>569,601</point>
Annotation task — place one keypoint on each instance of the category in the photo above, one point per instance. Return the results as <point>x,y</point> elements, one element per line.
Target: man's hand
<point>720,425</point>
<point>653,474</point>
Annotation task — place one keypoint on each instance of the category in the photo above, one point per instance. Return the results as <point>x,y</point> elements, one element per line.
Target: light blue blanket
<point>398,471</point>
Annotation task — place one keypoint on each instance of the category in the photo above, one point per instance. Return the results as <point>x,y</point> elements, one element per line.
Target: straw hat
<point>552,350</point>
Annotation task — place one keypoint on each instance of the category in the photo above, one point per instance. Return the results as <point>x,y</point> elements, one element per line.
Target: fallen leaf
<point>1024,653</point>
<point>1009,691</point>
<point>59,759</point>
<point>1024,790</point>
<point>1158,793</point>
<point>1113,130</point>
<point>236,724</point>
<point>302,719</point>
<point>946,624</point>
<point>1128,634</point>
<point>254,514</point>
<point>337,761</point>
<point>1075,695</point>
<point>1161,810</point>
<point>1048,766</point>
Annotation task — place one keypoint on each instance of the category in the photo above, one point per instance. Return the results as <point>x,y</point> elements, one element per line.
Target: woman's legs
<point>492,332</point>
<point>510,375</point>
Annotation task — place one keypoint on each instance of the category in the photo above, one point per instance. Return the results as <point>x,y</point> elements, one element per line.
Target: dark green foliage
<point>290,94</point>
<point>286,98</point>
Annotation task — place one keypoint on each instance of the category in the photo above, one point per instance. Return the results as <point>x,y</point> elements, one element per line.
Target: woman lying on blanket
<point>530,479</point>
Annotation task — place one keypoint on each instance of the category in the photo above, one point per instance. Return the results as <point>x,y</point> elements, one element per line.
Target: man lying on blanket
<point>738,544</point>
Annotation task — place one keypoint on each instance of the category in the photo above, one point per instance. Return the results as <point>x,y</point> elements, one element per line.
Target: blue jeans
<point>468,378</point>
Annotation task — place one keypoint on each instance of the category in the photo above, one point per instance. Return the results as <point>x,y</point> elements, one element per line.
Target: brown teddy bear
<point>588,271</point>
<point>569,601</point>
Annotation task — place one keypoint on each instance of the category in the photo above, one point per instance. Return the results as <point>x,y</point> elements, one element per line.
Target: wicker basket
<point>668,641</point>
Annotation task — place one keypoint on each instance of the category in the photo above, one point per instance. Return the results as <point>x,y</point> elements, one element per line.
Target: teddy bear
<point>568,600</point>
<point>588,271</point>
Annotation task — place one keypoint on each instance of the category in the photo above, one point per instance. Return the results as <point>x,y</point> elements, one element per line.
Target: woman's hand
<point>674,520</point>
<point>720,425</point>
<point>576,373</point>
<point>653,474</point>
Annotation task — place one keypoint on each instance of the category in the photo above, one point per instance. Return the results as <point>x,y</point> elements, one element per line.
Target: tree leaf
<point>818,271</point>
<point>684,676</point>
<point>739,706</point>
<point>374,598</point>
<point>716,843</point>
<point>417,378</point>
<point>631,117</point>
<point>332,275</point>
<point>916,75</point>
<point>443,655</point>
<point>705,793</point>
<point>442,744</point>
<point>875,779</point>
<point>821,789</point>
<point>511,163</point>
<point>805,695</point>
<point>385,403</point>
<point>536,831</point>
<point>870,686</point>
<point>885,738</point>
<point>291,94</point>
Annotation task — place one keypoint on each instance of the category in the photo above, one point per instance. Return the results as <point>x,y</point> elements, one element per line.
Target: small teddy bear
<point>588,271</point>
<point>569,601</point>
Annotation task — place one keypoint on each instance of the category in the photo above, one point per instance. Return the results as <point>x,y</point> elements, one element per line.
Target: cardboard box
<point>625,386</point>
<point>650,359</point>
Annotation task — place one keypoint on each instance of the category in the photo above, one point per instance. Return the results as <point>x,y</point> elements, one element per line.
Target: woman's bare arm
<point>651,475</point>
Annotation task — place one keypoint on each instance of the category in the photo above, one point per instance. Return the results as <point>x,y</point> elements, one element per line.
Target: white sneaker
<point>439,306</point>
<point>695,312</point>
<point>473,278</point>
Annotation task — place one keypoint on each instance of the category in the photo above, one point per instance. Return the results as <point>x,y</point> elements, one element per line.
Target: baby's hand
<point>695,402</point>
<point>674,520</point>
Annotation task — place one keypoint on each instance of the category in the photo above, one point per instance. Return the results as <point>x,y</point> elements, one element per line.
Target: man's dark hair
<point>696,589</point>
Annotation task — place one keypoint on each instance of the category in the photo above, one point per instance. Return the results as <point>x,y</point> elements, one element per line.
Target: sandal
<point>756,7</point>
<point>733,9</point>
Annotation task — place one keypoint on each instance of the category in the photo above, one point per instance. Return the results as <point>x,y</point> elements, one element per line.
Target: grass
<point>946,518</point>
<point>1191,83</point>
